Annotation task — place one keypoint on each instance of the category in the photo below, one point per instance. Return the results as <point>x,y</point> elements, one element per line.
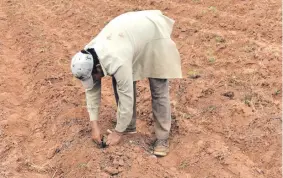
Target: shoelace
<point>163,142</point>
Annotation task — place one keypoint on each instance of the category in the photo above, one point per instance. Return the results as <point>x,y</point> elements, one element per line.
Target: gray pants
<point>160,106</point>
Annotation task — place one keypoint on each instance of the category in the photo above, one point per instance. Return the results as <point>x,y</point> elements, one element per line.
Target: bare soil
<point>226,111</point>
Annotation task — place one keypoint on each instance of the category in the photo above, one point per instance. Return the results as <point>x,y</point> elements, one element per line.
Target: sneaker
<point>130,131</point>
<point>161,147</point>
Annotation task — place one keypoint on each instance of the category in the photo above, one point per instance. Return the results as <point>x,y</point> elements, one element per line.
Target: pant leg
<point>132,124</point>
<point>161,107</point>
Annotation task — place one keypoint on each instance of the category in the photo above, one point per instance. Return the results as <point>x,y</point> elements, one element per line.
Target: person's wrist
<point>94,124</point>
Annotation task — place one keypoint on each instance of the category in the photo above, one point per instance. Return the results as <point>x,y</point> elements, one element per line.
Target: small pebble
<point>209,150</point>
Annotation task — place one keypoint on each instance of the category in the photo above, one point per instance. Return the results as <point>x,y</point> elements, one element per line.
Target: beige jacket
<point>133,46</point>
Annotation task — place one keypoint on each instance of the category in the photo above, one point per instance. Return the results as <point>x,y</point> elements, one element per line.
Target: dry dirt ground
<point>226,110</point>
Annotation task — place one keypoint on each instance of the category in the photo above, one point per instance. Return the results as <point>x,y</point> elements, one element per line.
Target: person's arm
<point>93,98</point>
<point>125,91</point>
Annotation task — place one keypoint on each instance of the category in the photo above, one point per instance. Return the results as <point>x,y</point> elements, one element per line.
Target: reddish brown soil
<point>226,110</point>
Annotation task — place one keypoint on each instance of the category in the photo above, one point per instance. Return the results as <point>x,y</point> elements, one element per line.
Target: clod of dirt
<point>52,152</point>
<point>120,169</point>
<point>111,170</point>
<point>194,76</point>
<point>139,160</point>
<point>131,155</point>
<point>188,175</point>
<point>229,94</point>
<point>183,29</point>
<point>209,150</point>
<point>207,92</point>
<point>116,162</point>
<point>119,153</point>
<point>137,149</point>
<point>57,150</point>
<point>103,175</point>
<point>121,162</point>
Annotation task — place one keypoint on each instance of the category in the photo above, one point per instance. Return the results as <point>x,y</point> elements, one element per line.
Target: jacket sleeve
<point>125,92</point>
<point>93,98</point>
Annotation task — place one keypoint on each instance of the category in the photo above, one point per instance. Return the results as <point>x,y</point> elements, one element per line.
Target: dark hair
<point>94,56</point>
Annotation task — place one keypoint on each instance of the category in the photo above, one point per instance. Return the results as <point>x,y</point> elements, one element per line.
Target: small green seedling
<point>247,100</point>
<point>277,92</point>
<point>219,39</point>
<point>184,164</point>
<point>211,108</point>
<point>81,165</point>
<point>211,59</point>
<point>212,8</point>
<point>187,115</point>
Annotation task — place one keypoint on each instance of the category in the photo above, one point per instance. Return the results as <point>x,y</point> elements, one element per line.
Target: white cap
<point>81,66</point>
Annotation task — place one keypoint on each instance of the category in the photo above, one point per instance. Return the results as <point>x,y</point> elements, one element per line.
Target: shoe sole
<point>157,153</point>
<point>134,132</point>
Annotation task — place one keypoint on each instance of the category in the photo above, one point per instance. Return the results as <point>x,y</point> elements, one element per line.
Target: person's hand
<point>114,138</point>
<point>95,133</point>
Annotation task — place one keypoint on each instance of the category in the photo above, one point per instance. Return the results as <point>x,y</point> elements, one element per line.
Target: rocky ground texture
<point>226,111</point>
